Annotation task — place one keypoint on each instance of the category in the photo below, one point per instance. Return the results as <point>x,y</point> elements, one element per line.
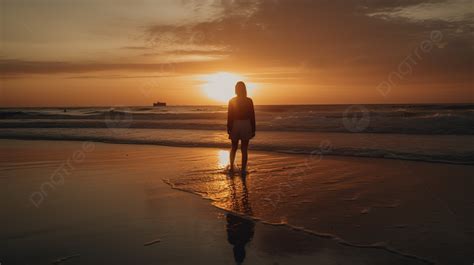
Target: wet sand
<point>94,203</point>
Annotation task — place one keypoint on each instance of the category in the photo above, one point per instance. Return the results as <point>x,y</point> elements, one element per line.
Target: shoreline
<point>402,156</point>
<point>145,151</point>
<point>224,105</point>
<point>303,230</point>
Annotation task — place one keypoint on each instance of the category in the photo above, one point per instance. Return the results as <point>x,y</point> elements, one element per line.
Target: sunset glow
<point>221,86</point>
<point>236,132</point>
<point>222,158</point>
<point>99,53</point>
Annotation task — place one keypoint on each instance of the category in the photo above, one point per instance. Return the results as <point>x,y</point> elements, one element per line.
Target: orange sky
<point>84,53</point>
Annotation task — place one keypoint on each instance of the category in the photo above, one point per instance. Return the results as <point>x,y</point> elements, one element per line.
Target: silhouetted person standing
<point>240,124</point>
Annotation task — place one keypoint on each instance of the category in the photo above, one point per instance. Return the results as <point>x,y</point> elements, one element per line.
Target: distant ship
<point>159,104</point>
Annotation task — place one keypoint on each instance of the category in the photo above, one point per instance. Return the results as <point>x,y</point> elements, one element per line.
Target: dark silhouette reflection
<point>239,230</point>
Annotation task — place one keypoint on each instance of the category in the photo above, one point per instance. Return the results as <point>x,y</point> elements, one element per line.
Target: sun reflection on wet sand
<point>223,158</point>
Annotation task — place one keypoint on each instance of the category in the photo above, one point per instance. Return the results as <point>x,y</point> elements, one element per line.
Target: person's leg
<point>244,148</point>
<point>235,145</point>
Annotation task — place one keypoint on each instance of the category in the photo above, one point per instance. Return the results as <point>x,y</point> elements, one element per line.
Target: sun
<point>220,86</point>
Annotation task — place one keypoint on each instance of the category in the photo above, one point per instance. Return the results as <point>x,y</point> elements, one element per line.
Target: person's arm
<point>252,117</point>
<point>230,117</point>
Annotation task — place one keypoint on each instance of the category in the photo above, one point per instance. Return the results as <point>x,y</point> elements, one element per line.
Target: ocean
<point>337,172</point>
<point>422,132</point>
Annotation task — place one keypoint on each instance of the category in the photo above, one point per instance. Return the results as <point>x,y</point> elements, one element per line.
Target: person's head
<point>240,89</point>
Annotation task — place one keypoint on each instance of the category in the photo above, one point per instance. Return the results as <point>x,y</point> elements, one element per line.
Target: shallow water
<point>436,133</point>
<point>390,118</point>
<point>457,149</point>
<point>346,173</point>
<point>113,204</point>
<point>409,208</point>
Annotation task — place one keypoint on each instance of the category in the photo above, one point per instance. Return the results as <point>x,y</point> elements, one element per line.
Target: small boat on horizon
<point>159,104</point>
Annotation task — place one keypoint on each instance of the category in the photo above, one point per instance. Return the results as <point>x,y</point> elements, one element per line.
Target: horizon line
<point>224,104</point>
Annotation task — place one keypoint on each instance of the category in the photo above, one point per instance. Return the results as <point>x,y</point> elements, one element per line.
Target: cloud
<point>338,43</point>
<point>329,42</point>
<point>135,48</point>
<point>321,34</point>
<point>168,36</point>
<point>449,11</point>
<point>13,68</point>
<point>90,30</point>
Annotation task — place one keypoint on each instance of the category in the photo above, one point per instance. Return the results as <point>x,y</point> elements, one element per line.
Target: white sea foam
<point>434,133</point>
<point>456,149</point>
